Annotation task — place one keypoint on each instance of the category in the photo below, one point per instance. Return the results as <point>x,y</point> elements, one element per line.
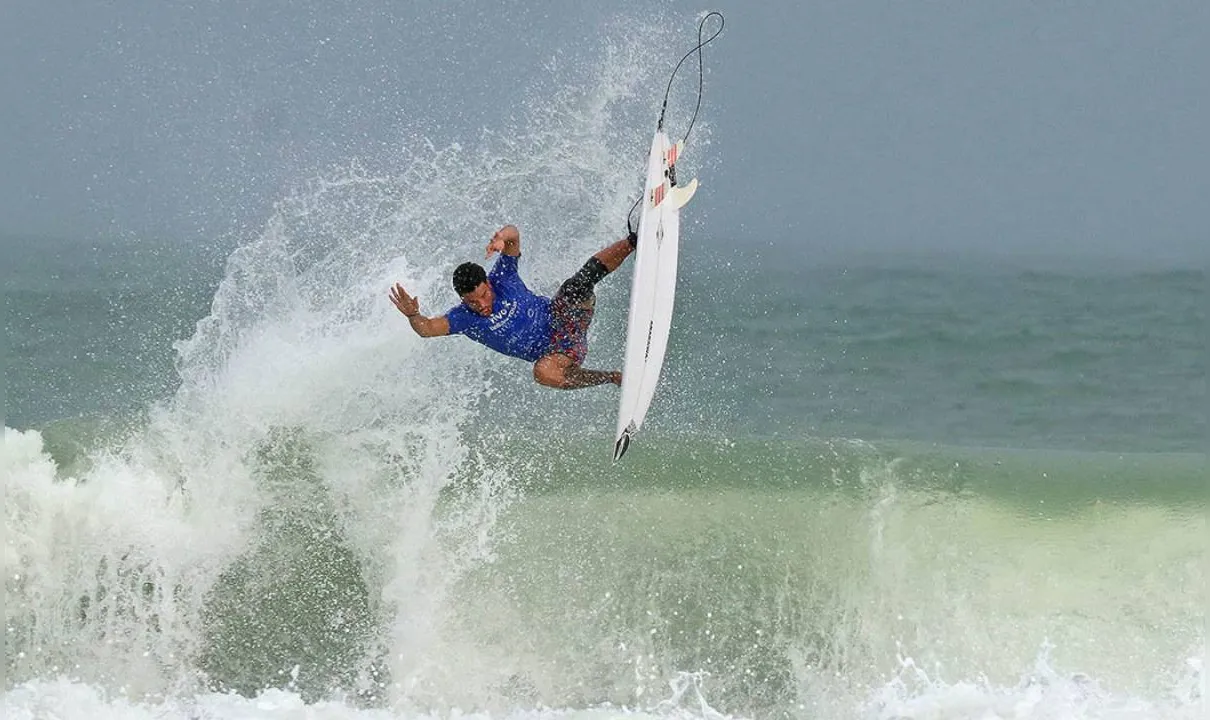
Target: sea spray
<point>298,512</point>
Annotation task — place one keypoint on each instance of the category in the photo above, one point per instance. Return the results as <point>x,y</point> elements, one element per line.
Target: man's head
<point>470,282</point>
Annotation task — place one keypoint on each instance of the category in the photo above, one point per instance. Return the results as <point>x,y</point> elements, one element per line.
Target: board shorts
<point>571,311</point>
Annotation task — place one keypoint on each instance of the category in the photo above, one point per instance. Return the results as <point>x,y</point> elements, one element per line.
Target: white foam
<point>1042,694</point>
<point>105,574</point>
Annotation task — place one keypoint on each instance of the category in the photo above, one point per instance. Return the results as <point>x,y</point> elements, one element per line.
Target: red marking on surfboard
<point>671,156</point>
<point>658,194</point>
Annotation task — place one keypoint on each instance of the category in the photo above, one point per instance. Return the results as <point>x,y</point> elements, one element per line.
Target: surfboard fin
<point>682,194</point>
<point>623,443</point>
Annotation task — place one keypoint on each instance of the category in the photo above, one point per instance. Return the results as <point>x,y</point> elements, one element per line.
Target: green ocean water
<point>864,475</point>
<point>91,324</point>
<point>971,351</point>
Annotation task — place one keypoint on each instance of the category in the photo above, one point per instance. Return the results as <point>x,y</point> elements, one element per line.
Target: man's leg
<point>560,371</point>
<point>572,310</point>
<point>577,290</point>
<point>612,256</point>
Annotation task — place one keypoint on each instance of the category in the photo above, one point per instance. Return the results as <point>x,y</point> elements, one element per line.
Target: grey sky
<point>1077,127</point>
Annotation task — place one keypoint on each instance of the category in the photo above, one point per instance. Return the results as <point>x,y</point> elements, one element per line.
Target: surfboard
<point>653,287</point>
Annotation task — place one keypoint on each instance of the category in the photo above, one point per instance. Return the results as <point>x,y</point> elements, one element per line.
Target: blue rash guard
<point>520,323</point>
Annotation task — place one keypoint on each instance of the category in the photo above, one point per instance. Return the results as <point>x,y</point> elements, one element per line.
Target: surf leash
<point>701,43</point>
<point>700,70</point>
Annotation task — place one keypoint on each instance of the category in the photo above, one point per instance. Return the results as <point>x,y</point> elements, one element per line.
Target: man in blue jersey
<point>499,311</point>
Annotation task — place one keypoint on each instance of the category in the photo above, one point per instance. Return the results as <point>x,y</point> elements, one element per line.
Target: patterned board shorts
<point>571,312</point>
<point>569,326</point>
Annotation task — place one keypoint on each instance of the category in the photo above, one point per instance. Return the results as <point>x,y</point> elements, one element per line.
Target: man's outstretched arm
<point>410,307</point>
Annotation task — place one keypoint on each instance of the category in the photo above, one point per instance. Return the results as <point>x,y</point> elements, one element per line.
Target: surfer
<point>499,311</point>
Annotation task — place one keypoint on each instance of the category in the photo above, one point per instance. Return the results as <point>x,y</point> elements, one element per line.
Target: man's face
<point>480,299</point>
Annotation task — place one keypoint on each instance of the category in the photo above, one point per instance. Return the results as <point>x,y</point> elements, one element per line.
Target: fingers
<point>399,292</point>
<point>403,302</point>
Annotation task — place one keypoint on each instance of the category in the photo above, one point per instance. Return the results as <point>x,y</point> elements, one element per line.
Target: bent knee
<point>551,370</point>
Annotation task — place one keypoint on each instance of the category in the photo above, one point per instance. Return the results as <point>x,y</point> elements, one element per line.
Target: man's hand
<point>507,240</point>
<point>410,307</point>
<point>407,304</point>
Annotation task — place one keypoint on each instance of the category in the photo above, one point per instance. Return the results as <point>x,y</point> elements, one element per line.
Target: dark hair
<point>467,277</point>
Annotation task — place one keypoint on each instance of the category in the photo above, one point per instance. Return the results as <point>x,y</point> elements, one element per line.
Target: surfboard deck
<point>653,287</point>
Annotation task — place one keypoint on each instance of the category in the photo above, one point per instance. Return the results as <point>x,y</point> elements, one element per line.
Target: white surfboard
<point>653,287</point>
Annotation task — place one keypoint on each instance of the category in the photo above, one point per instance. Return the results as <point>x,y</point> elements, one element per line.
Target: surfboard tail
<point>623,443</point>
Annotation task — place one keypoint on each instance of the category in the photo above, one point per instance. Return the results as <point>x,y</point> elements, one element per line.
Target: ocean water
<point>237,486</point>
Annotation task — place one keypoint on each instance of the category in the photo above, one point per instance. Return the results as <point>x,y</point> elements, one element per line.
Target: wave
<point>782,573</point>
<point>329,515</point>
